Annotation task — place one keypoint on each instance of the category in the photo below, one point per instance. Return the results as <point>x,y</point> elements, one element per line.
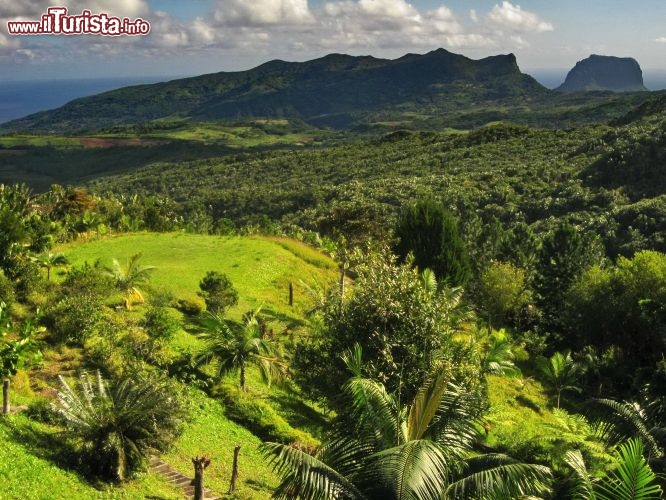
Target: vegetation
<point>381,450</point>
<point>401,322</point>
<point>118,425</point>
<point>430,234</point>
<point>234,347</point>
<point>218,292</point>
<point>504,284</point>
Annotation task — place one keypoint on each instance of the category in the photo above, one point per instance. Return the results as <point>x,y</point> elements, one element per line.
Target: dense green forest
<point>414,314</point>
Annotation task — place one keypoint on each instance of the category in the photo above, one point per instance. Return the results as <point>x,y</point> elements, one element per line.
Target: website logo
<point>56,22</point>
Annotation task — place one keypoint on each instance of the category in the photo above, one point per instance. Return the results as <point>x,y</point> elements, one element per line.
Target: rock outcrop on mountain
<point>617,74</point>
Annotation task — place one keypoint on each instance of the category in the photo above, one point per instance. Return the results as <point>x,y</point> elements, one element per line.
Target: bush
<point>503,293</point>
<point>42,410</point>
<point>121,422</point>
<point>403,323</point>
<point>7,294</point>
<point>159,324</point>
<point>191,307</point>
<point>218,292</point>
<point>74,319</point>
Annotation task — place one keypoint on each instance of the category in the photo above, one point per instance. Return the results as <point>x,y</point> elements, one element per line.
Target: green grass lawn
<point>211,433</point>
<point>260,268</point>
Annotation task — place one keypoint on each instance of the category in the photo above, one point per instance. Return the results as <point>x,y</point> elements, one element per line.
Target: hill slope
<point>335,90</point>
<point>260,268</point>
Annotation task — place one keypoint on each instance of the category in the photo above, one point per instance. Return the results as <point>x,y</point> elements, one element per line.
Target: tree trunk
<point>342,284</point>
<point>5,397</point>
<point>234,470</point>
<point>242,376</point>
<point>200,463</point>
<point>558,399</point>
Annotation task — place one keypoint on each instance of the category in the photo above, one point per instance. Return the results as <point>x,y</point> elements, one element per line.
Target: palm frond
<point>454,425</point>
<point>375,411</point>
<point>346,455</point>
<point>496,476</point>
<point>353,360</point>
<point>418,469</point>
<point>426,405</point>
<point>632,478</point>
<point>306,477</point>
<point>619,420</point>
<point>584,486</point>
<point>499,357</point>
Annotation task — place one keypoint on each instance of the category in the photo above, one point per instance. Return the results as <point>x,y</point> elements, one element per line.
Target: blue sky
<point>201,36</point>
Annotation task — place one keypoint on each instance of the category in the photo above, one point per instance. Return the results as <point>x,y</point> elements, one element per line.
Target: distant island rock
<point>617,74</point>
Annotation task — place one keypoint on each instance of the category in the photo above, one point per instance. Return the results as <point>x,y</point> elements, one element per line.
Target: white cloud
<point>278,28</point>
<point>443,20</point>
<point>389,9</point>
<point>661,39</point>
<point>33,9</point>
<point>514,18</point>
<point>262,12</point>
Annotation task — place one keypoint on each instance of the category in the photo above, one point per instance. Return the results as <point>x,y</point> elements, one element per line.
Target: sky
<point>204,36</point>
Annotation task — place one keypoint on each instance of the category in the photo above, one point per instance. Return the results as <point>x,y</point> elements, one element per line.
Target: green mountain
<point>337,90</point>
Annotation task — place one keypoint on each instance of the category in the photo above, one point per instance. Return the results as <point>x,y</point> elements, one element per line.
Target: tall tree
<point>398,316</point>
<point>565,254</point>
<point>428,231</point>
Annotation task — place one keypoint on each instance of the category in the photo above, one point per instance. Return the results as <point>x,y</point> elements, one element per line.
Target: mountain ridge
<point>336,90</point>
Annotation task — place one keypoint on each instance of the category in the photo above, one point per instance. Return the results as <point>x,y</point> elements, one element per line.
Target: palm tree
<point>49,260</point>
<point>561,373</point>
<point>129,279</point>
<point>234,347</point>
<point>631,477</point>
<point>120,423</point>
<point>379,449</point>
<point>498,358</point>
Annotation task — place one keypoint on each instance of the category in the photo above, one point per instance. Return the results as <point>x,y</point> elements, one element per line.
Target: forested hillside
<point>382,313</point>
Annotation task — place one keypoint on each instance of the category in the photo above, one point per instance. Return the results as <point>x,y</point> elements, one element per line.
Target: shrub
<point>7,294</point>
<point>159,324</point>
<point>74,319</point>
<point>218,292</point>
<point>191,307</point>
<point>120,422</point>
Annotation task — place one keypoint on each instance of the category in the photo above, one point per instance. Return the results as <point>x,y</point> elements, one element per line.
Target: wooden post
<point>200,463</point>
<point>234,470</point>
<point>5,397</point>
<point>342,284</point>
<point>291,294</point>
